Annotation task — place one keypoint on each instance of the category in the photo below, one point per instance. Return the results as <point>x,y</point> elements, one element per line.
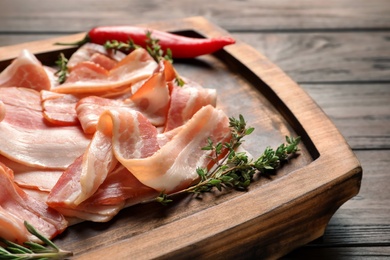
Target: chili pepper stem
<point>78,43</point>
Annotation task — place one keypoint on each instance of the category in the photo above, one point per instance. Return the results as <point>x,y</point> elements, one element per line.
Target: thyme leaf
<point>32,250</point>
<point>236,170</point>
<point>62,71</point>
<point>122,46</point>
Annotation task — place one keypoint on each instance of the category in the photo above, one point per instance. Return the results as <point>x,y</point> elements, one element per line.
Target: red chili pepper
<point>180,46</point>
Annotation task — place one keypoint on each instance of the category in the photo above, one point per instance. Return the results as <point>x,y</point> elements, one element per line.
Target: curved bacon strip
<point>90,108</point>
<point>89,173</point>
<point>32,178</point>
<point>95,53</point>
<point>152,99</point>
<point>59,109</point>
<point>2,110</point>
<point>103,61</point>
<point>121,186</point>
<point>173,167</point>
<point>120,189</point>
<point>86,71</point>
<point>136,66</point>
<point>25,71</point>
<point>186,101</point>
<point>16,207</point>
<point>25,138</point>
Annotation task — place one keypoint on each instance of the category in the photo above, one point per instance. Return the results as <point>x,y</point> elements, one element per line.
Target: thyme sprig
<point>152,47</point>
<point>122,46</point>
<point>62,71</point>
<point>236,170</point>
<point>32,250</point>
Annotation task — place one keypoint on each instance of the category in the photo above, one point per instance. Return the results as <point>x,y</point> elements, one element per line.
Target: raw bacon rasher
<point>27,72</point>
<point>28,139</point>
<point>91,78</point>
<point>97,54</point>
<point>16,206</point>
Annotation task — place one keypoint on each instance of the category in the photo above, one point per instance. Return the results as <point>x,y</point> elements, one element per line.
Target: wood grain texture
<point>12,39</point>
<point>360,111</point>
<point>75,16</point>
<point>292,208</point>
<point>341,253</point>
<point>327,57</point>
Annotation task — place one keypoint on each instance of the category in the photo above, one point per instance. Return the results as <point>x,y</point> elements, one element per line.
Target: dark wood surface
<point>338,51</point>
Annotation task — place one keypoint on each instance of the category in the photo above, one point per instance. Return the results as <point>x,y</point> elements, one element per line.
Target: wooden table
<point>338,51</point>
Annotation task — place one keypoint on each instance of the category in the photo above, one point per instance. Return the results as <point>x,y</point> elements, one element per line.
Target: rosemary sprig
<point>152,47</point>
<point>236,170</point>
<point>62,71</point>
<point>32,250</point>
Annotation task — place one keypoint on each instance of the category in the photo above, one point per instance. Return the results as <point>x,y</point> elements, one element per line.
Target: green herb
<point>236,170</point>
<point>62,68</point>
<point>122,46</point>
<point>154,49</point>
<point>32,250</point>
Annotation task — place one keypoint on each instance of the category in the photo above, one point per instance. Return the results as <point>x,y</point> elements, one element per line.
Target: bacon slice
<point>173,167</point>
<point>95,53</point>
<point>90,108</point>
<point>93,174</point>
<point>25,71</point>
<point>68,189</point>
<point>59,109</point>
<point>152,99</point>
<point>88,77</point>
<point>2,110</point>
<point>32,178</point>
<point>186,101</point>
<point>120,189</point>
<point>16,207</point>
<point>87,173</point>
<point>27,139</point>
<point>103,61</point>
<point>121,186</point>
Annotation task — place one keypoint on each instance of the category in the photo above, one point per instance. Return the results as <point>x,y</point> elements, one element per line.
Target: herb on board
<point>236,169</point>
<point>122,46</point>
<point>62,71</point>
<point>32,250</point>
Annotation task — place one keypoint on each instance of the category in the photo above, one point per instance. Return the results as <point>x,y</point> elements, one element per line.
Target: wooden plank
<point>326,57</point>
<point>75,16</point>
<point>11,39</point>
<point>360,111</point>
<point>314,57</point>
<point>341,253</point>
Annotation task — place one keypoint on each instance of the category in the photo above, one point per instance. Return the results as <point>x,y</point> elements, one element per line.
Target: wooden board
<point>279,212</point>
